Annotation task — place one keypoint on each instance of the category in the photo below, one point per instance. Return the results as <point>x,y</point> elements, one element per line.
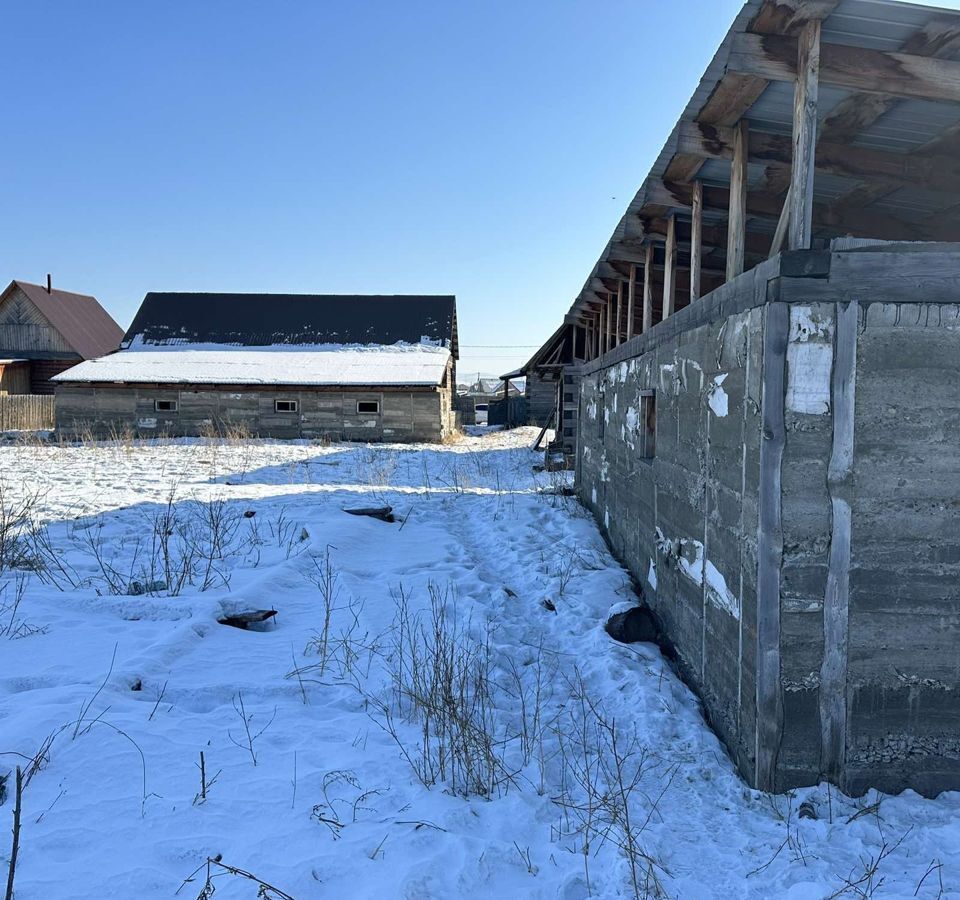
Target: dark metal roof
<point>258,320</point>
<point>81,320</point>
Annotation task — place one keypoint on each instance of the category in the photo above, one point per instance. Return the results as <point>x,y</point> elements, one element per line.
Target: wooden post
<point>737,217</point>
<point>617,330</point>
<point>604,330</point>
<point>609,334</point>
<point>631,290</point>
<point>648,290</point>
<point>696,241</point>
<point>780,234</point>
<point>670,268</point>
<point>800,196</point>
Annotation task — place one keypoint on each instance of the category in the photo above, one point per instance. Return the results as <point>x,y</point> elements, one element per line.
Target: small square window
<point>370,407</point>
<point>568,413</point>
<point>165,405</point>
<point>568,397</point>
<point>286,405</point>
<point>568,432</point>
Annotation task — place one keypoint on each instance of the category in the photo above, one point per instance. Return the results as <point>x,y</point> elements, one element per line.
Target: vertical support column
<point>800,196</point>
<point>836,600</point>
<point>776,333</point>
<point>648,290</point>
<point>670,268</point>
<point>598,333</point>
<point>608,338</point>
<point>631,291</point>
<point>696,241</point>
<point>618,330</point>
<point>604,329</point>
<point>737,217</point>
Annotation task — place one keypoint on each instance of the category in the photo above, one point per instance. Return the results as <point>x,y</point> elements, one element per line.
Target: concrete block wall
<point>798,531</point>
<point>685,522</point>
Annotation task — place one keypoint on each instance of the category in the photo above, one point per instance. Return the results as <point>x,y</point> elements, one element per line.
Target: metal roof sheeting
<point>906,126</point>
<point>80,319</point>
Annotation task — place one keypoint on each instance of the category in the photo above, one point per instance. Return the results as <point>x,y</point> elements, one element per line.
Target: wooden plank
<point>683,167</point>
<point>765,205</point>
<point>648,290</point>
<point>940,37</point>
<point>833,670</point>
<point>604,330</point>
<point>909,75</point>
<point>780,234</point>
<point>696,240</point>
<point>806,93</point>
<point>787,16</point>
<point>631,291</point>
<point>737,214</point>
<point>928,167</point>
<point>617,321</point>
<point>669,269</point>
<point>852,115</point>
<point>731,98</point>
<point>770,546</point>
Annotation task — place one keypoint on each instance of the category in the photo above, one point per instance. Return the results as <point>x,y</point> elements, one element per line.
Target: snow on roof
<point>323,364</point>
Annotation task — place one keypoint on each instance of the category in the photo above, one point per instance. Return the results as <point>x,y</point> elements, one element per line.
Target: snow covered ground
<point>479,610</point>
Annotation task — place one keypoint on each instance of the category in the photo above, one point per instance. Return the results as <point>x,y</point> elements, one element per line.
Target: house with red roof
<point>45,331</point>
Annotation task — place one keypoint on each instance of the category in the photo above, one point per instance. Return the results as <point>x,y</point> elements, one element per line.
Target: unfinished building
<point>768,353</point>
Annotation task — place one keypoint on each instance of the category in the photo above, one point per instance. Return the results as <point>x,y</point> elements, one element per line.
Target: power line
<point>502,346</point>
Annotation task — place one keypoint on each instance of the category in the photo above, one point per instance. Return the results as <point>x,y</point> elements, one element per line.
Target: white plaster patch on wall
<point>718,592</point>
<point>631,419</point>
<point>593,496</point>
<point>686,379</point>
<point>592,409</point>
<point>606,518</point>
<point>652,575</point>
<point>668,378</point>
<point>717,397</point>
<point>705,574</point>
<point>622,372</point>
<point>809,362</point>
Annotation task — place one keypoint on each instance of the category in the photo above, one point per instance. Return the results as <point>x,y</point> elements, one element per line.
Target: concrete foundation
<point>796,527</point>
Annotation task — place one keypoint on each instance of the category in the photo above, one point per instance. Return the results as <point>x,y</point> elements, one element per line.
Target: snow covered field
<point>478,612</point>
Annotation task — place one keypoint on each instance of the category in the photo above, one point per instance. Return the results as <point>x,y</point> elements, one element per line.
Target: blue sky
<point>485,149</point>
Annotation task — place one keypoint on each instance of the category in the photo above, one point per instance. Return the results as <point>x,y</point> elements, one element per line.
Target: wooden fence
<point>26,412</point>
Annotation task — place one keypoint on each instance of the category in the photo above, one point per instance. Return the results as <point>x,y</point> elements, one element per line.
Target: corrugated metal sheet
<point>265,319</point>
<point>80,319</point>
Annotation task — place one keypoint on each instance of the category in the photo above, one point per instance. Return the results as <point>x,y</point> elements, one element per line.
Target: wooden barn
<point>44,331</point>
<point>370,368</point>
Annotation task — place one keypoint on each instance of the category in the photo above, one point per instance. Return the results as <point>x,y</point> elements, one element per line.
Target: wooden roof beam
<point>790,16</point>
<point>925,169</point>
<point>774,58</point>
<point>765,205</point>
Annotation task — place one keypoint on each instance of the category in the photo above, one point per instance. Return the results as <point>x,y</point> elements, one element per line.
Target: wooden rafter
<point>774,58</point>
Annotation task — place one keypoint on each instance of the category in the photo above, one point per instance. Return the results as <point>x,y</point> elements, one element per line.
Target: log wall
<point>405,415</point>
